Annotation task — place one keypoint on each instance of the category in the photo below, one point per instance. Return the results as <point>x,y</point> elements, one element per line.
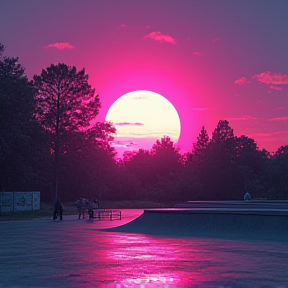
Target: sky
<point>213,60</point>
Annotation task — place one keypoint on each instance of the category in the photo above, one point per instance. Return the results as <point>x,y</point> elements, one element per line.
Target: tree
<point>194,171</point>
<point>167,166</point>
<point>139,163</point>
<point>65,103</point>
<point>166,158</point>
<point>246,149</point>
<point>20,136</point>
<point>222,175</point>
<point>280,163</point>
<point>200,146</point>
<point>87,162</point>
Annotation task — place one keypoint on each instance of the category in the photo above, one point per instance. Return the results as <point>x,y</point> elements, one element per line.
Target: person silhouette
<point>58,209</point>
<point>247,196</point>
<point>82,205</point>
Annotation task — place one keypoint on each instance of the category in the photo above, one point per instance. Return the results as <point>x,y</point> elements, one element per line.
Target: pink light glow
<point>109,260</point>
<point>60,46</point>
<point>159,37</point>
<point>151,46</point>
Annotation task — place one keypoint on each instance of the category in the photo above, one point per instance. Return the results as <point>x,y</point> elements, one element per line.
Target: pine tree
<point>65,104</point>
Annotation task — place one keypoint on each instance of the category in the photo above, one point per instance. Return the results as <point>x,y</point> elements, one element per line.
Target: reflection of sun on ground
<point>142,117</point>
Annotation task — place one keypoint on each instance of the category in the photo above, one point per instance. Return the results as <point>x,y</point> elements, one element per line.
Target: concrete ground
<point>46,253</point>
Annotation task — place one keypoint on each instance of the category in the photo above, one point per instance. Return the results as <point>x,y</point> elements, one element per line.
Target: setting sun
<point>142,117</point>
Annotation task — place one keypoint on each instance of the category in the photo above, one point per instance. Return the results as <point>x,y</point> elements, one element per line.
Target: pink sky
<point>211,59</point>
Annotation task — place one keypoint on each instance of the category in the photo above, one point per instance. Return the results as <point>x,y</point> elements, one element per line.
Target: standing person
<point>58,209</point>
<point>82,205</point>
<point>78,204</point>
<point>96,202</point>
<point>247,196</point>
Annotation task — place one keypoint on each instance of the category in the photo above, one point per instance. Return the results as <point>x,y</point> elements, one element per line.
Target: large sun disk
<point>144,114</point>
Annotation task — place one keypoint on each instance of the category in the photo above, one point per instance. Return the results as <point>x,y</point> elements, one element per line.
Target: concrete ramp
<point>222,223</point>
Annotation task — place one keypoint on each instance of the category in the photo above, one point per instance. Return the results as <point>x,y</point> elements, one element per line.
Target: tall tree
<point>202,141</point>
<point>195,168</point>
<point>167,166</point>
<point>200,146</point>
<point>166,158</point>
<point>17,126</point>
<point>280,163</point>
<point>222,171</point>
<point>65,103</point>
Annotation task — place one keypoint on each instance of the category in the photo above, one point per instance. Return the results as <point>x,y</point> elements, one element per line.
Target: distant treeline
<point>49,144</point>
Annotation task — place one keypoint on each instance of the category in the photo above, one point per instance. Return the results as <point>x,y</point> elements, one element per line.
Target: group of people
<point>84,204</point>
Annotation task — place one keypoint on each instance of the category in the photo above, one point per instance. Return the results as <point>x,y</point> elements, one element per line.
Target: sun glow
<point>142,117</point>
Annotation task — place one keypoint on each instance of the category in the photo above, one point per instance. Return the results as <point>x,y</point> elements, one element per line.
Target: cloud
<point>276,88</point>
<point>60,46</point>
<point>272,78</point>
<point>140,97</point>
<point>135,28</point>
<point>124,26</point>
<point>217,39</point>
<point>269,135</point>
<point>159,37</point>
<point>197,53</point>
<point>243,118</point>
<point>241,81</point>
<point>122,144</point>
<point>279,119</point>
<point>128,124</point>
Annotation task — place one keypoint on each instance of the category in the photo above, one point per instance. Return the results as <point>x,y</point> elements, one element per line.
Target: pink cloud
<point>124,26</point>
<point>244,118</point>
<point>214,40</point>
<point>276,88</point>
<point>272,78</point>
<point>279,119</point>
<point>197,53</point>
<point>241,81</point>
<point>268,135</point>
<point>159,37</point>
<point>60,46</point>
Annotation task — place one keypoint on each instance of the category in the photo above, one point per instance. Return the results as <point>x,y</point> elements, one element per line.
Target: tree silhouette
<point>17,126</point>
<point>65,103</point>
<point>280,160</point>
<point>166,157</point>
<point>200,146</point>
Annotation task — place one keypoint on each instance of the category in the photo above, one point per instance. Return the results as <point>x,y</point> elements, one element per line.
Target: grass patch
<point>46,209</point>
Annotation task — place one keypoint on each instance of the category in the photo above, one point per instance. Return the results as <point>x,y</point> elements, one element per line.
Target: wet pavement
<point>83,253</point>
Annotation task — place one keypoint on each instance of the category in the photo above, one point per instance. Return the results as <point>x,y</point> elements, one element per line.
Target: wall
<point>19,201</point>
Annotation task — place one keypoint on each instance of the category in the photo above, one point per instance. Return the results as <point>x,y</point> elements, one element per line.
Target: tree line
<point>51,141</point>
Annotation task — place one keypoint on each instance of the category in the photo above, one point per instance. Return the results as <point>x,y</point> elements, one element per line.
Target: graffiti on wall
<point>19,201</point>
